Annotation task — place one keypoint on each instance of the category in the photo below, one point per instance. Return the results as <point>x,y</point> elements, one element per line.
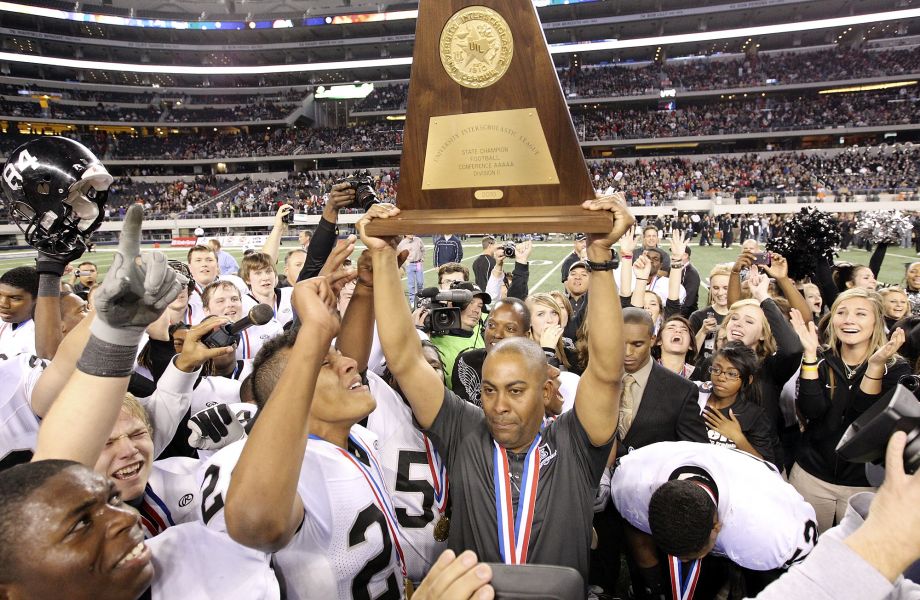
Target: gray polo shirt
<point>570,470</point>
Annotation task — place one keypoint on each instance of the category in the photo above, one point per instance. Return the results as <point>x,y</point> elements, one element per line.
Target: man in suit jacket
<point>665,405</point>
<point>663,408</point>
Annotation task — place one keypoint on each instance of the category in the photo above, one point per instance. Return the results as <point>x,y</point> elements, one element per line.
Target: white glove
<point>216,427</point>
<point>603,491</point>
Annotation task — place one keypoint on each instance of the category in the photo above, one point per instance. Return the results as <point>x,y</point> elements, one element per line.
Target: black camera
<point>363,184</point>
<point>288,217</point>
<point>509,250</point>
<point>898,410</point>
<point>442,317</point>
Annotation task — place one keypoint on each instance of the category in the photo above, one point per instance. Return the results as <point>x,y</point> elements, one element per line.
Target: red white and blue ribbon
<point>514,529</point>
<point>682,587</point>
<point>374,478</point>
<point>438,475</point>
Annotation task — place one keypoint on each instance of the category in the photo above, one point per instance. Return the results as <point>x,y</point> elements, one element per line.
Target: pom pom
<point>883,226</point>
<point>808,236</point>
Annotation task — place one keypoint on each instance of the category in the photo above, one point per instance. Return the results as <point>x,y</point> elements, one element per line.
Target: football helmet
<point>57,191</point>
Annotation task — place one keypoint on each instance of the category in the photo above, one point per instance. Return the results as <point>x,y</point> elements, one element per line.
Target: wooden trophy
<point>489,145</point>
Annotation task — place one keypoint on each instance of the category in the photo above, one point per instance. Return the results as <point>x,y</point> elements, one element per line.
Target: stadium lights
<point>869,87</point>
<point>563,48</point>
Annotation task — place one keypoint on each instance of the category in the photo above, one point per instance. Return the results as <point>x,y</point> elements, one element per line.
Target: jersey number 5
<point>404,485</point>
<point>357,536</point>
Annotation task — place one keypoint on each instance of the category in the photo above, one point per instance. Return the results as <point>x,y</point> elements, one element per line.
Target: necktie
<point>627,406</point>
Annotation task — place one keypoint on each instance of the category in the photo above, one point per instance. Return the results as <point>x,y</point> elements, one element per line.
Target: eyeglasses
<point>729,373</point>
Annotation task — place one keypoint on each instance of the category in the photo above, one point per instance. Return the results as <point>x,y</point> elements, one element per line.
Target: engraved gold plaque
<point>476,47</point>
<point>487,149</point>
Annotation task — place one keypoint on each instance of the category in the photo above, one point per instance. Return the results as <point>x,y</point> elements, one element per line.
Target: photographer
<point>500,286</point>
<point>454,340</point>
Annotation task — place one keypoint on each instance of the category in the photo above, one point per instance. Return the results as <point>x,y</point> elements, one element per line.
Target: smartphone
<point>762,258</point>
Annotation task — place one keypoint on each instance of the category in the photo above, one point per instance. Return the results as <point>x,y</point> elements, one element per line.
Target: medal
<point>439,480</point>
<point>514,529</point>
<point>442,529</point>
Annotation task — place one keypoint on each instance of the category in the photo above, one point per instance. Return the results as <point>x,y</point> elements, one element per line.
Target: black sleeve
<point>692,287</point>
<point>520,281</point>
<point>825,282</point>
<point>875,263</point>
<point>762,436</point>
<point>481,268</point>
<point>321,245</point>
<point>690,424</point>
<point>159,354</point>
<point>696,320</point>
<point>671,307</point>
<point>788,357</point>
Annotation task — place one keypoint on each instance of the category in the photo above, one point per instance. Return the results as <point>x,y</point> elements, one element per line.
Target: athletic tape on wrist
<point>49,285</point>
<point>104,359</point>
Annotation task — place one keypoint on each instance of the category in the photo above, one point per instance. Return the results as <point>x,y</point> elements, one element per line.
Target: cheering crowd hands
<point>678,247</point>
<point>808,334</point>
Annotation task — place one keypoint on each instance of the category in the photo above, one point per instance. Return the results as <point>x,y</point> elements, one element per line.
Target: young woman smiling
<point>675,346</point>
<point>836,386</point>
<point>896,305</point>
<point>705,322</point>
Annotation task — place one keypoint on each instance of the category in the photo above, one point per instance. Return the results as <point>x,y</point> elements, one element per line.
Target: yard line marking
<point>548,273</point>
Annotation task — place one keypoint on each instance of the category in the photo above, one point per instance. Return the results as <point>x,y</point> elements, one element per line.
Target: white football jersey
<point>766,524</point>
<point>253,338</point>
<point>18,424</point>
<point>344,548</point>
<point>219,390</point>
<point>20,340</point>
<point>171,496</point>
<point>192,561</point>
<point>408,476</point>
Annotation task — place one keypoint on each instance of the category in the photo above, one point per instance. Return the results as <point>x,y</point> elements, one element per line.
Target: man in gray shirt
<point>522,490</point>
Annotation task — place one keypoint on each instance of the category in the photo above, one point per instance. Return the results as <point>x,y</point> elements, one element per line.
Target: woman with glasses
<point>759,324</point>
<point>837,384</point>
<point>730,403</point>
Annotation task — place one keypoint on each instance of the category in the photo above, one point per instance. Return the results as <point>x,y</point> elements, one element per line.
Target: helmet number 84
<point>13,172</point>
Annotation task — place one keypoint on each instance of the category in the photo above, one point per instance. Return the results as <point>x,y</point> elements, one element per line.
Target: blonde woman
<point>837,384</point>
<point>705,322</point>
<point>759,324</point>
<point>895,305</point>
<point>546,325</point>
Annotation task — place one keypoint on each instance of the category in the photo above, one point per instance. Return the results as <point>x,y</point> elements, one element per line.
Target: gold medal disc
<point>442,529</point>
<point>476,46</point>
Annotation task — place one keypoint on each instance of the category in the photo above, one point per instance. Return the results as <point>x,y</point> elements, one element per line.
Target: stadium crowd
<point>695,437</point>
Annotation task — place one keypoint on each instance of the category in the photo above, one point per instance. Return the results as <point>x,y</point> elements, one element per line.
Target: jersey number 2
<point>358,535</point>
<point>211,476</point>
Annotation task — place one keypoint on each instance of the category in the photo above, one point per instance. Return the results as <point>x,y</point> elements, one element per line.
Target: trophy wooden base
<point>524,219</point>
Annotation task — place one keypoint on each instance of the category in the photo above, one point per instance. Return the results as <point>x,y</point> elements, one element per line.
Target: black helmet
<point>57,190</point>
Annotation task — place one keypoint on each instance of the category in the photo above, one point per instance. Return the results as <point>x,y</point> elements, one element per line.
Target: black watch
<point>609,265</point>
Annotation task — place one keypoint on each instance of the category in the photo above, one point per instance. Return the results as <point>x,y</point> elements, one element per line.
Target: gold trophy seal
<point>476,47</point>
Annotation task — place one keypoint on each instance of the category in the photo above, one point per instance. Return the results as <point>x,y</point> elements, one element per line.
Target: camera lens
<point>509,250</point>
<point>911,382</point>
<point>441,320</point>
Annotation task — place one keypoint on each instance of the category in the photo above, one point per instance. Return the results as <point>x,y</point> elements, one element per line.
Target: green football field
<point>545,261</point>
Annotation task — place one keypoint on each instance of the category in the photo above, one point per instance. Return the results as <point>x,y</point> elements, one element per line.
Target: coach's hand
<point>456,578</point>
<point>378,211</point>
<point>600,245</point>
<point>136,290</point>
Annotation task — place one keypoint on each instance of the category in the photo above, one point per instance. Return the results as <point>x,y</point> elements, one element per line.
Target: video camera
<point>442,317</point>
<point>363,184</point>
<point>899,410</point>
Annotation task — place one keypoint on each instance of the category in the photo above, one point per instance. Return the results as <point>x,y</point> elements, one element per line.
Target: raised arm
<point>678,246</point>
<point>423,388</point>
<point>597,399</point>
<point>263,509</point>
<point>642,268</point>
<point>134,294</point>
<point>628,245</point>
<point>778,269</point>
<point>323,240</point>
<point>272,243</point>
<point>48,331</point>
<point>520,277</point>
<point>744,261</point>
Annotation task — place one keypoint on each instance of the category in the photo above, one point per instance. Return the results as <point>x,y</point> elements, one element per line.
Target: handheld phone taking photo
<point>762,258</point>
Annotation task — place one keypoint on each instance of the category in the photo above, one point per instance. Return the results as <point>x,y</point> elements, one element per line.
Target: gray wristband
<point>49,285</point>
<point>118,336</point>
<point>104,359</point>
